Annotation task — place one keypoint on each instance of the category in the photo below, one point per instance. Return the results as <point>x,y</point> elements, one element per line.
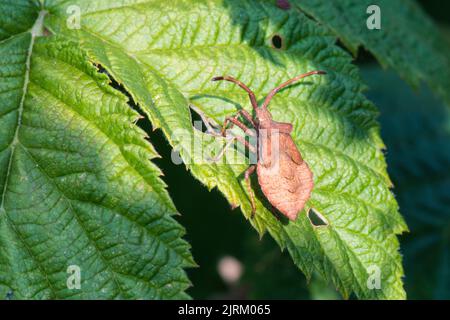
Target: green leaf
<point>17,16</point>
<point>165,54</point>
<point>408,40</point>
<point>76,184</point>
<point>417,131</point>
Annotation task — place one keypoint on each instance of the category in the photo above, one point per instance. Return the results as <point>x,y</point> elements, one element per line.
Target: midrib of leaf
<point>34,31</point>
<point>160,229</point>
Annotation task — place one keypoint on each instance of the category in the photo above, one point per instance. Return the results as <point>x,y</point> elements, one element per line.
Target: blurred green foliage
<point>416,129</point>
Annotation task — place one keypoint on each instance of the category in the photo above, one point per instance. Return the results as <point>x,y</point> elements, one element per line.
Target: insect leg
<point>235,121</point>
<point>247,174</point>
<point>209,123</point>
<point>229,143</point>
<point>222,152</point>
<point>247,116</point>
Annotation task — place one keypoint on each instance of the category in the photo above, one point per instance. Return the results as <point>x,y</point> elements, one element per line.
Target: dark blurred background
<point>235,263</point>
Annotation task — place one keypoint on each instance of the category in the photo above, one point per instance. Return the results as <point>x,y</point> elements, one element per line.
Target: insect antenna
<point>242,85</point>
<point>287,83</point>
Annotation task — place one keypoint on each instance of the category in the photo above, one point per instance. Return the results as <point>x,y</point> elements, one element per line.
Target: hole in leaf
<point>316,219</point>
<point>277,41</point>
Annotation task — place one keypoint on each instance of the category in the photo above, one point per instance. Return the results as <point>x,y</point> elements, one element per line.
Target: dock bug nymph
<point>289,186</point>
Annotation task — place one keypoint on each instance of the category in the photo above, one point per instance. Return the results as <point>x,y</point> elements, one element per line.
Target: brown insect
<point>283,175</point>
